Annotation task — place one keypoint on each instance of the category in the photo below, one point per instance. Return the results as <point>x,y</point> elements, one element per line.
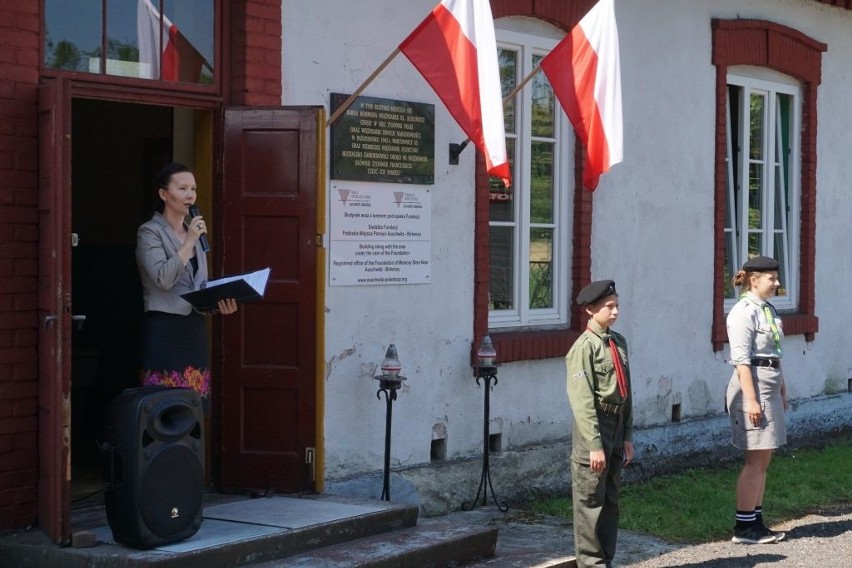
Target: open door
<point>268,395</point>
<point>54,302</point>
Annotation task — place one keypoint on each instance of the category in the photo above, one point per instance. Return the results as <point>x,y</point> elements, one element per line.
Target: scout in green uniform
<point>601,440</point>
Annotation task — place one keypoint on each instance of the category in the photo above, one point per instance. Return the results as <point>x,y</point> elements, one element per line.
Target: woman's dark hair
<point>742,279</point>
<point>162,182</point>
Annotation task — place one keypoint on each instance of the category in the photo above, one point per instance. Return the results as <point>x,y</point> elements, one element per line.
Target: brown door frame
<point>54,302</point>
<point>54,288</point>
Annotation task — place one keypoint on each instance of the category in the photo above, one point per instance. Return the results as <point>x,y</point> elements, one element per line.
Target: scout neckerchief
<point>616,361</point>
<point>770,319</point>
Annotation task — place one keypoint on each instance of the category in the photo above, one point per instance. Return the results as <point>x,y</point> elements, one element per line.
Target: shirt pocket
<point>603,368</point>
<point>764,338</point>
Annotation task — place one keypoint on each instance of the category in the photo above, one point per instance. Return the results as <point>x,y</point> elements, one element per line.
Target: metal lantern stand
<point>487,373</point>
<point>388,384</point>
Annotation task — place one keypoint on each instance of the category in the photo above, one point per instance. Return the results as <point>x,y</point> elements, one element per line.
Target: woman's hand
<point>227,306</point>
<point>784,393</point>
<point>197,227</point>
<point>753,410</point>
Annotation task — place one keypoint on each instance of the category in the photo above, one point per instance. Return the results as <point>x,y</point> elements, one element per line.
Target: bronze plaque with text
<point>385,140</point>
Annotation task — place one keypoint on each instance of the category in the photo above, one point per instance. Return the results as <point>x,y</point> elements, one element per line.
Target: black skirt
<point>175,351</point>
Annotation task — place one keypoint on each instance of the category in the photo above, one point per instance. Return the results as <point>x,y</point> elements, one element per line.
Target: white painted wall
<point>652,233</point>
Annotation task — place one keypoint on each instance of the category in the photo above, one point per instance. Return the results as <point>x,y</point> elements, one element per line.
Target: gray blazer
<point>164,277</point>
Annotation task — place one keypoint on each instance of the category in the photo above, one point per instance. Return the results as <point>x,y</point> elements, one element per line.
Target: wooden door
<point>54,302</point>
<point>268,400</point>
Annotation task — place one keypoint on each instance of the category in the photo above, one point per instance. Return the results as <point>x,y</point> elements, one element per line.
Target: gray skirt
<point>771,432</point>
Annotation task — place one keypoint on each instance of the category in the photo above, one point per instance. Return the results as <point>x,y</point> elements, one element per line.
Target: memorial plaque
<point>383,140</point>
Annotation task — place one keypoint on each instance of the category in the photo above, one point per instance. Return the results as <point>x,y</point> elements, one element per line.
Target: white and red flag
<point>180,60</point>
<point>455,50</point>
<point>585,72</point>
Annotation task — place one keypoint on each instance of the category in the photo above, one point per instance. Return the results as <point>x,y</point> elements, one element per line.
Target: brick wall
<point>255,53</point>
<point>19,75</point>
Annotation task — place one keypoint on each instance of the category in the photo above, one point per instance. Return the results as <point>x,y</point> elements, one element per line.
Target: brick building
<point>87,116</point>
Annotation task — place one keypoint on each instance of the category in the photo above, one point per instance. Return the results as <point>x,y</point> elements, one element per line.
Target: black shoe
<point>777,535</point>
<point>753,534</point>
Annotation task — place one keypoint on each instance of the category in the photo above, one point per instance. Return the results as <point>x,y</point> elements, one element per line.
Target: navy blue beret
<point>761,264</point>
<point>593,292</point>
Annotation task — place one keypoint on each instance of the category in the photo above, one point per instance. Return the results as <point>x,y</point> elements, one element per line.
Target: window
<point>762,205</point>
<point>168,40</point>
<point>528,320</point>
<point>767,76</point>
<point>529,221</point>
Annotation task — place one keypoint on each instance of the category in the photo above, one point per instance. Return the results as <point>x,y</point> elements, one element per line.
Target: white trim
<point>527,46</point>
<point>756,83</point>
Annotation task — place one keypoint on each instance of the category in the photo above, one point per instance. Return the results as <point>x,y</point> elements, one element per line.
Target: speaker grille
<point>170,499</point>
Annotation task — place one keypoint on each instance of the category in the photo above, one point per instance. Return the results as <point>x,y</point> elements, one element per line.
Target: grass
<point>698,505</point>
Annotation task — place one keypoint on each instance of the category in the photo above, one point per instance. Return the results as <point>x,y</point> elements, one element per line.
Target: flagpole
<point>458,149</point>
<point>521,85</point>
<point>342,108</point>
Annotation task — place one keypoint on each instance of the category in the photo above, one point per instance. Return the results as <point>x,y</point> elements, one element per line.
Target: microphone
<point>194,212</point>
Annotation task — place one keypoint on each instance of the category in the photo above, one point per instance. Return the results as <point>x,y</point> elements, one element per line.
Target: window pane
<point>501,198</point>
<point>730,268</point>
<point>780,254</point>
<point>541,268</point>
<point>72,34</point>
<point>758,103</point>
<point>780,199</point>
<point>755,196</point>
<point>508,80</point>
<point>501,275</point>
<point>755,244</point>
<point>122,56</point>
<point>186,36</point>
<point>543,119</point>
<point>541,174</point>
<point>194,42</point>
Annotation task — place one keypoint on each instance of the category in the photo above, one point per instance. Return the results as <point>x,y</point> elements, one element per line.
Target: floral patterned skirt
<point>175,351</point>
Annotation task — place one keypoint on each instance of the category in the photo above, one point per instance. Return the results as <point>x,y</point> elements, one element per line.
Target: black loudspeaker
<point>153,454</point>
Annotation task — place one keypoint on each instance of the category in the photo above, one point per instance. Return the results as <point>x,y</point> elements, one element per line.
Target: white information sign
<point>380,235</point>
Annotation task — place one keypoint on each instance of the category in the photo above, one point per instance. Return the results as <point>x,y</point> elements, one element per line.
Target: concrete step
<point>233,534</point>
<point>525,560</point>
<point>430,545</point>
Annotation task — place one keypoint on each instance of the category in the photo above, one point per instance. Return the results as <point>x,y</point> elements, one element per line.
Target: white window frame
<point>771,84</point>
<point>527,46</point>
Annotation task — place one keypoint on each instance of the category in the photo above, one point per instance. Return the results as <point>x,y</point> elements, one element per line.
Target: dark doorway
<point>117,149</point>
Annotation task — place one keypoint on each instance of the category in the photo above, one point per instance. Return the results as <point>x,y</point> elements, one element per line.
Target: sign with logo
<point>380,235</point>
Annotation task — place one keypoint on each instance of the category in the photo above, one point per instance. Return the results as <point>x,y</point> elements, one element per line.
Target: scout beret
<point>595,291</point>
<point>761,264</point>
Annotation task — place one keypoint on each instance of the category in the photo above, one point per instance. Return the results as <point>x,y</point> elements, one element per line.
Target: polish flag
<point>181,61</point>
<point>455,50</point>
<point>585,73</point>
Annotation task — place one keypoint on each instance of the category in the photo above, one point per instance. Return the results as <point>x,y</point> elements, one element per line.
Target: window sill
<point>529,345</point>
<point>794,324</point>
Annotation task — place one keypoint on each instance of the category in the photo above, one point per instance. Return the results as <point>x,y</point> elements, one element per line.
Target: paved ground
<point>815,541</point>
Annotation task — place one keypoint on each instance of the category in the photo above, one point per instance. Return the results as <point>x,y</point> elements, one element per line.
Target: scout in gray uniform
<point>757,395</point>
<point>601,439</point>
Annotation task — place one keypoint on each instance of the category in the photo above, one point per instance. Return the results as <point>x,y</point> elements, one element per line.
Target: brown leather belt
<point>609,408</point>
<point>764,362</point>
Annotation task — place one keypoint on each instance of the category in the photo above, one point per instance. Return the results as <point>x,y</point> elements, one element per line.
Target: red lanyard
<point>619,368</point>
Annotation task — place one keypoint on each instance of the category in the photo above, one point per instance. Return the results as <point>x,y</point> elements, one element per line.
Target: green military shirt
<point>591,378</point>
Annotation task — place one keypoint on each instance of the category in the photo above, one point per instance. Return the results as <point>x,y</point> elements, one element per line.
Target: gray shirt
<point>750,333</point>
<point>164,276</point>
